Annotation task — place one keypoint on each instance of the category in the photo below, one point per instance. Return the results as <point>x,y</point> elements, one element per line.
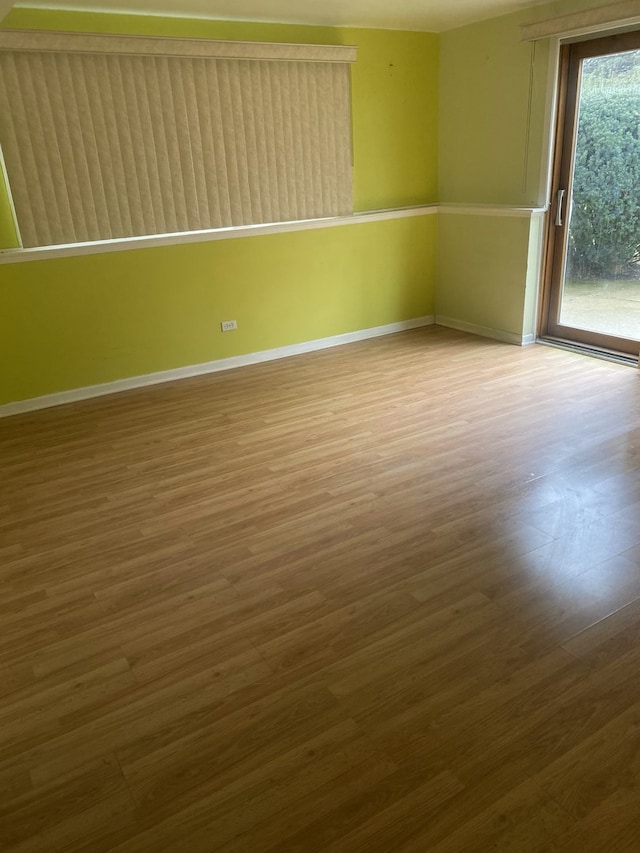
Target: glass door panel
<point>593,296</point>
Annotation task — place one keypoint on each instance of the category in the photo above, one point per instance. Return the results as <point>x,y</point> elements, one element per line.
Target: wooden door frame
<point>571,56</point>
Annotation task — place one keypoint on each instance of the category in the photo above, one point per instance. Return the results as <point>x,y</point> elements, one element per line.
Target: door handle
<point>559,205</point>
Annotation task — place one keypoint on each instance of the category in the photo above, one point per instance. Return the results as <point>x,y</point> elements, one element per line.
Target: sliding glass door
<point>592,294</point>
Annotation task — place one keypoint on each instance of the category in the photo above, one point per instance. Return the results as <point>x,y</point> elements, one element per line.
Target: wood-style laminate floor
<point>379,598</point>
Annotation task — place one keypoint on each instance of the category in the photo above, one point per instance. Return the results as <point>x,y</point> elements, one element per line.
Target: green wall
<point>70,322</point>
<point>477,250</point>
<point>496,101</point>
<point>460,118</point>
<point>91,319</point>
<point>493,95</point>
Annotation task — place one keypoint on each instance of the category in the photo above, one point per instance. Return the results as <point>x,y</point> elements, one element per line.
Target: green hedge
<point>604,237</point>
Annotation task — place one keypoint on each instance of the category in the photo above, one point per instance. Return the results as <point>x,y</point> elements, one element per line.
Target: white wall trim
<point>41,253</point>
<point>484,331</point>
<point>550,120</point>
<point>490,210</point>
<point>15,256</point>
<point>118,385</point>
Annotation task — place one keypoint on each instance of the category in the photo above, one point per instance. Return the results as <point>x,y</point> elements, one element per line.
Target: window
<point>107,137</point>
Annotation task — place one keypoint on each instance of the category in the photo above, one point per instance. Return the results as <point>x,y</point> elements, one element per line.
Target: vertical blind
<point>110,137</point>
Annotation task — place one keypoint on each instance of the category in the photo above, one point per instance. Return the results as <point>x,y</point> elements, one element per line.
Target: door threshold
<point>593,352</point>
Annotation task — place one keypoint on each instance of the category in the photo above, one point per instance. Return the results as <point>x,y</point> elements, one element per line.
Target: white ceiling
<point>427,15</point>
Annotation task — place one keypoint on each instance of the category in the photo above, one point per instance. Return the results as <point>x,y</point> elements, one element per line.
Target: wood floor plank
<point>257,796</point>
<point>36,811</point>
<point>381,597</point>
<point>522,820</point>
<point>393,817</point>
<point>612,753</point>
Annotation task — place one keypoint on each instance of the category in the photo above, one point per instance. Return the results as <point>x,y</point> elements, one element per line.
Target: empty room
<point>319,426</point>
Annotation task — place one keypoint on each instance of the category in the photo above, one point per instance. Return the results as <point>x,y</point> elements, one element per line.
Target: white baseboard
<point>118,385</point>
<point>484,331</point>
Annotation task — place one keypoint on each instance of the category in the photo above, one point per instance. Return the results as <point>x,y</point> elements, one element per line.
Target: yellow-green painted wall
<point>492,138</point>
<point>91,319</point>
<point>495,120</point>
<point>67,323</point>
<point>493,95</point>
<point>480,260</point>
<point>462,117</point>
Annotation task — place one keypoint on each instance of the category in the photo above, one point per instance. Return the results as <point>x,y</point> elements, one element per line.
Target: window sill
<point>12,256</point>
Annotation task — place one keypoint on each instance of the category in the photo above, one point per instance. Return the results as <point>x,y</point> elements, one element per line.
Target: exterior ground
<point>612,307</point>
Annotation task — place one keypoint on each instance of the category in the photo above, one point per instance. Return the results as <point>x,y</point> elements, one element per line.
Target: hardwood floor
<point>379,598</point>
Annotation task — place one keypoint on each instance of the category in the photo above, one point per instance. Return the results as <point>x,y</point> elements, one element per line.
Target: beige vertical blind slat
<point>297,106</point>
<point>81,139</point>
<point>253,213</point>
<point>321,79</point>
<point>255,129</point>
<point>188,142</point>
<point>311,100</point>
<point>310,146</point>
<point>9,140</point>
<point>232,142</point>
<point>142,97</point>
<point>343,154</point>
<point>270,140</point>
<point>43,111</point>
<point>192,111</point>
<point>286,166</point>
<point>218,164</point>
<point>333,130</point>
<point>106,146</point>
<point>210,203</point>
<point>25,154</point>
<point>167,132</point>
<point>260,121</point>
<point>116,189</point>
<point>135,162</point>
<point>160,164</point>
<point>239,151</point>
<point>105,196</point>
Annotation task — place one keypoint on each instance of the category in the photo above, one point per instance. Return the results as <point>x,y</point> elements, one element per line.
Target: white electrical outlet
<point>228,325</point>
